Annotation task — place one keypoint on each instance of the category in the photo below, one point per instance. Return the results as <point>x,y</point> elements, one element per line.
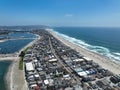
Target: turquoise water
<point>12,46</point>
<point>105,41</point>
<point>3,69</point>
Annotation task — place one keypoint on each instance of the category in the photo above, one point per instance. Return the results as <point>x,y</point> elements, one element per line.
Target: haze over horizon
<point>105,13</point>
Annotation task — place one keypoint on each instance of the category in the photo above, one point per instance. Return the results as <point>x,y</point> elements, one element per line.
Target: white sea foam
<point>115,56</point>
<point>116,53</point>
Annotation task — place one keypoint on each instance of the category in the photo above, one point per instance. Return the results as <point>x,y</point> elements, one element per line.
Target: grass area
<point>22,54</point>
<point>25,50</point>
<point>21,63</point>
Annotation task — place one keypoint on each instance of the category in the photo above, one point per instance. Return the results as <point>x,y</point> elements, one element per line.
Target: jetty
<point>9,57</point>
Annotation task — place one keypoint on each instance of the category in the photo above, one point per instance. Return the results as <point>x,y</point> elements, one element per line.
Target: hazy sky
<point>60,12</point>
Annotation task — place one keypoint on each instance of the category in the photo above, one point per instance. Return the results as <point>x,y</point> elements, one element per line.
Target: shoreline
<point>6,72</point>
<point>10,74</point>
<point>7,75</point>
<point>7,58</point>
<point>103,61</point>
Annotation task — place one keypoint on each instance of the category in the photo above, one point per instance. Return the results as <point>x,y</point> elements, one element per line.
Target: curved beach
<point>15,77</point>
<point>101,60</point>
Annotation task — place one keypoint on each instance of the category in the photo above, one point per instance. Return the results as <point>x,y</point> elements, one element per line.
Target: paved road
<point>62,63</point>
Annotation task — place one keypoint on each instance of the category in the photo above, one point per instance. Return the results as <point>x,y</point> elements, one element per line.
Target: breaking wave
<point>115,56</point>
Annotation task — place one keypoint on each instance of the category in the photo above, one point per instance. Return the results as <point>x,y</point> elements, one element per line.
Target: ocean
<point>104,41</point>
<point>12,46</point>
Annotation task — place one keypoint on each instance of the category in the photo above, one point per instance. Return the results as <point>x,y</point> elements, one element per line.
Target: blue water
<point>21,34</point>
<point>12,46</point>
<point>105,41</point>
<point>3,69</point>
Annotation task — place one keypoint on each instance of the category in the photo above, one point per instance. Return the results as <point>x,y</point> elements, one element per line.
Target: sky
<point>101,13</point>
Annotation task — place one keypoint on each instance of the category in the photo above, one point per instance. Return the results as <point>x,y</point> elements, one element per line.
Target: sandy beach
<point>15,77</point>
<point>101,60</point>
